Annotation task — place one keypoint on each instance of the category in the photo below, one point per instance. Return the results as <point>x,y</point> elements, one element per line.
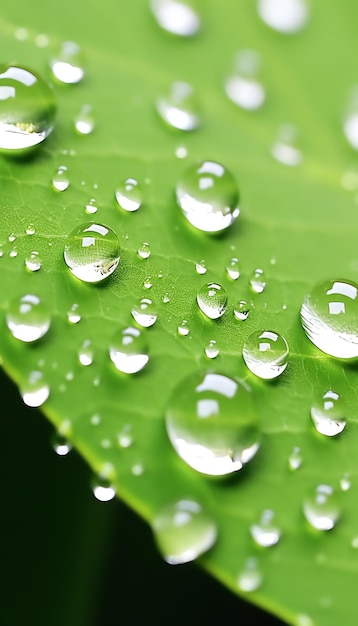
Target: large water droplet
<point>284,149</point>
<point>212,423</point>
<point>92,252</point>
<point>258,281</point>
<point>265,532</point>
<point>243,85</point>
<point>145,313</point>
<point>128,350</point>
<point>60,180</point>
<point>183,531</point>
<point>286,17</point>
<point>321,507</point>
<point>233,269</point>
<point>329,316</point>
<point>208,196</point>
<point>179,107</point>
<point>67,65</point>
<point>35,391</point>
<point>250,577</point>
<point>329,414</point>
<point>129,195</point>
<point>27,318</point>
<point>27,108</point>
<point>265,354</point>
<point>84,121</point>
<point>176,17</point>
<point>33,262</point>
<point>212,300</point>
<point>241,310</point>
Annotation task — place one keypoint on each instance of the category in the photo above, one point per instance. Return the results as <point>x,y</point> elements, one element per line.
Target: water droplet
<point>148,283</point>
<point>208,196</point>
<point>212,300</point>
<point>35,391</point>
<point>128,350</point>
<point>11,238</point>
<point>183,531</point>
<point>85,353</point>
<point>295,459</point>
<point>233,268</point>
<point>329,318</point>
<point>27,318</point>
<point>91,207</point>
<point>212,350</point>
<point>265,532</point>
<point>258,281</point>
<point>92,252</point>
<point>250,577</point>
<point>95,420</point>
<point>286,17</point>
<point>21,34</point>
<point>145,313</point>
<point>42,40</point>
<point>33,262</point>
<point>200,267</point>
<point>329,414</point>
<point>243,85</point>
<point>304,620</point>
<point>350,123</point>
<point>13,254</point>
<point>181,152</point>
<point>284,149</point>
<point>355,542</point>
<point>212,423</point>
<point>129,195</point>
<point>176,17</point>
<point>61,445</point>
<point>30,229</point>
<point>241,310</point>
<point>144,251</point>
<point>60,180</point>
<point>345,482</point>
<point>165,298</point>
<point>179,107</point>
<point>266,354</point>
<point>67,65</point>
<point>183,329</point>
<point>73,314</point>
<point>27,108</point>
<point>84,121</point>
<point>137,469</point>
<point>125,437</point>
<point>103,490</point>
<point>321,508</point>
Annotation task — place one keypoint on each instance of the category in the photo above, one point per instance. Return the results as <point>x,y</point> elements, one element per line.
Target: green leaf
<point>297,224</point>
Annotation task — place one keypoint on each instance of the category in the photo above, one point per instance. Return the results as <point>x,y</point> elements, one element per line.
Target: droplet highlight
<point>287,17</point>
<point>176,17</point>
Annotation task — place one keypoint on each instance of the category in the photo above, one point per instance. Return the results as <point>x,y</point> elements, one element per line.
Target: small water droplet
<point>286,17</point>
<point>212,349</point>
<point>212,300</point>
<point>27,318</point>
<point>33,262</point>
<point>355,542</point>
<point>92,252</point>
<point>128,350</point>
<point>61,445</point>
<point>200,267</point>
<point>233,268</point>
<point>181,152</point>
<point>13,253</point>
<point>295,459</point>
<point>328,414</point>
<point>266,354</point>
<point>137,469</point>
<point>183,329</point>
<point>183,531</point>
<point>27,108</point>
<point>84,121</point>
<point>73,314</point>
<point>69,376</point>
<point>241,310</point>
<point>208,196</point>
<point>30,229</point>
<point>91,207</point>
<point>176,17</point>
<point>95,420</point>
<point>345,482</point>
<point>145,313</point>
<point>212,423</point>
<point>265,532</point>
<point>11,238</point>
<point>243,86</point>
<point>250,577</point>
<point>103,490</point>
<point>329,318</point>
<point>125,437</point>
<point>148,283</point>
<point>42,40</point>
<point>165,298</point>
<point>67,65</point>
<point>179,107</point>
<point>85,353</point>
<point>21,34</point>
<point>129,195</point>
<point>144,251</point>
<point>34,390</point>
<point>285,150</point>
<point>321,507</point>
<point>304,620</point>
<point>258,281</point>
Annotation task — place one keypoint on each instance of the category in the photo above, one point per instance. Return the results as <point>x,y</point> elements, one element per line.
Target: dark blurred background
<point>69,560</point>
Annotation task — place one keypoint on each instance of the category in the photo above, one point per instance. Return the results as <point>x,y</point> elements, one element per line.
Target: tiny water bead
<point>73,315</point>
<point>85,353</point>
<point>27,108</point>
<point>28,318</point>
<point>33,262</point>
<point>129,350</point>
<point>148,283</point>
<point>34,390</point>
<point>144,251</point>
<point>91,207</point>
<point>212,423</point>
<point>241,310</point>
<point>60,180</point>
<point>212,350</point>
<point>329,316</point>
<point>84,121</point>
<point>67,65</point>
<point>286,17</point>
<point>103,490</point>
<point>265,532</point>
<point>92,252</point>
<point>345,482</point>
<point>61,445</point>
<point>200,267</point>
<point>11,238</point>
<point>129,195</point>
<point>212,300</point>
<point>145,313</point>
<point>243,85</point>
<point>328,414</point>
<point>285,150</point>
<point>233,269</point>
<point>183,531</point>
<point>258,281</point>
<point>125,437</point>
<point>321,507</point>
<point>295,459</point>
<point>266,354</point>
<point>30,229</point>
<point>208,196</point>
<point>250,577</point>
<point>183,329</point>
<point>179,107</point>
<point>176,16</point>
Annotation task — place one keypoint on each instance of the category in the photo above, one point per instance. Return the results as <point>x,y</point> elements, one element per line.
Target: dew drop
<point>128,350</point>
<point>42,40</point>
<point>241,310</point>
<point>183,531</point>
<point>144,251</point>
<point>258,281</point>
<point>295,459</point>
<point>137,469</point>
<point>243,85</point>
<point>233,269</point>
<point>30,229</point>
<point>183,329</point>
<point>212,300</point>
<point>125,437</point>
<point>84,121</point>
<point>61,445</point>
<point>329,318</point>
<point>181,152</point>
<point>60,180</point>
<point>354,543</point>
<point>34,390</point>
<point>286,17</point>
<point>73,315</point>
<point>92,252</point>
<point>27,318</point>
<point>95,420</point>
<point>21,34</point>
<point>265,532</point>
<point>11,238</point>
<point>129,195</point>
<point>285,150</point>
<point>321,507</point>
<point>145,313</point>
<point>27,108</point>
<point>200,267</point>
<point>212,350</point>
<point>250,577</point>
<point>67,65</point>
<point>103,490</point>
<point>266,354</point>
<point>91,207</point>
<point>212,423</point>
<point>33,262</point>
<point>345,482</point>
<point>85,353</point>
<point>179,107</point>
<point>13,254</point>
<point>148,283</point>
<point>176,17</point>
<point>328,414</point>
<point>208,196</point>
<point>166,298</point>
